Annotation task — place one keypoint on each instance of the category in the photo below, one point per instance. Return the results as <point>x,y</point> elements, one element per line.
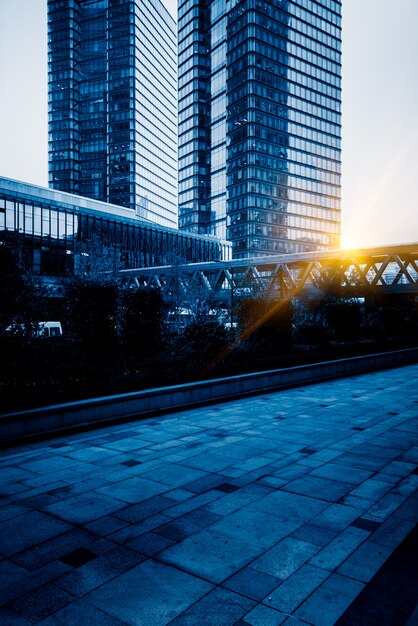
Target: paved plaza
<point>295,507</point>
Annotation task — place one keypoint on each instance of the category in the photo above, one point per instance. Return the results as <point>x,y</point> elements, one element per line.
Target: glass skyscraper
<point>113,104</point>
<point>260,123</point>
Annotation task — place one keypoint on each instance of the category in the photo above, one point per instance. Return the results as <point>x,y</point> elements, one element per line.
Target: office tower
<point>113,104</point>
<point>260,123</point>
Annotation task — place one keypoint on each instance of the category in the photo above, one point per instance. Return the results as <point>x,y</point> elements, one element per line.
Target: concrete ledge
<point>54,419</point>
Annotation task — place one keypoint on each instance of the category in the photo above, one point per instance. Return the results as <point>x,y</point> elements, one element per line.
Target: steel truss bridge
<point>346,273</point>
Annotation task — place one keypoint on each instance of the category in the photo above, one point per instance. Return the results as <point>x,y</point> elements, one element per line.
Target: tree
<point>187,298</point>
<point>93,260</point>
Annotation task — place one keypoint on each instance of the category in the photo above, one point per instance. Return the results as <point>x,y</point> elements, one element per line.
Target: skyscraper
<point>113,103</point>
<point>260,123</point>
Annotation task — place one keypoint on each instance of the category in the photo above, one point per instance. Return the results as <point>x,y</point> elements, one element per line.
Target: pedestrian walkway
<point>286,508</point>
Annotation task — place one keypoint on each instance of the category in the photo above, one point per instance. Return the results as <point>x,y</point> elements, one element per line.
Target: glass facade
<point>112,67</point>
<point>52,230</point>
<point>260,123</point>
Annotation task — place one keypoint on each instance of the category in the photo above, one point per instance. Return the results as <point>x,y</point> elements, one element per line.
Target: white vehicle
<point>44,329</point>
<point>49,329</point>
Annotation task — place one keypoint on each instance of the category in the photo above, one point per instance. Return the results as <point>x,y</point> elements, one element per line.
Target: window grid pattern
<point>51,234</point>
<point>273,69</point>
<point>112,98</point>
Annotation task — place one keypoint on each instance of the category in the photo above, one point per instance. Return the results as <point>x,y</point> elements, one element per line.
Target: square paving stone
<point>336,517</point>
<point>98,571</point>
<point>150,543</point>
<point>340,548</point>
<point>201,516</point>
<point>193,503</point>
<point>361,504</point>
<point>44,601</point>
<point>293,591</point>
<point>321,488</point>
<point>180,494</point>
<point>252,583</point>
<point>127,444</point>
<point>252,526</point>
<point>147,508</point>
<point>285,558</point>
<point>264,616</point>
<point>373,448</point>
<point>210,481</point>
<point>80,613</point>
<point>54,465</point>
<point>8,617</point>
<point>10,572</point>
<point>13,510</point>
<point>372,488</point>
<point>334,471</point>
<point>178,529</point>
<point>133,490</point>
<point>153,594</point>
<point>84,508</point>
<point>237,500</point>
<point>291,471</point>
<point>93,453</point>
<point>392,531</point>
<point>289,507</point>
<point>11,474</point>
<point>18,582</point>
<point>366,524</point>
<point>78,557</point>
<point>135,530</point>
<point>315,534</point>
<point>226,488</point>
<point>365,561</point>
<point>209,462</point>
<point>384,507</point>
<point>211,555</point>
<point>175,475</point>
<point>28,530</point>
<point>220,607</point>
<point>362,461</point>
<point>50,550</point>
<point>329,601</point>
<point>106,525</point>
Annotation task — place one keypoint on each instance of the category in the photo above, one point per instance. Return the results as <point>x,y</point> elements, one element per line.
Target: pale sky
<point>380,111</point>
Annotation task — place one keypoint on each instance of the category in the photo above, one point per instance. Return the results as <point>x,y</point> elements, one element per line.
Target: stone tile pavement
<point>276,509</point>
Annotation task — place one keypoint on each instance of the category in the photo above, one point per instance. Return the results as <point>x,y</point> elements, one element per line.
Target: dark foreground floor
<point>289,508</point>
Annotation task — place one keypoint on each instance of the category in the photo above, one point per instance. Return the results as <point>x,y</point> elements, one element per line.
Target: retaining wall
<point>50,420</point>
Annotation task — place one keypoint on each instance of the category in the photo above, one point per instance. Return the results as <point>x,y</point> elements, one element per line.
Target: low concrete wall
<point>15,427</point>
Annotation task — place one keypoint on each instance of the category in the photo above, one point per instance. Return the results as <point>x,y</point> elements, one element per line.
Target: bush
<point>265,327</point>
<point>92,314</point>
<point>198,344</point>
<point>344,319</point>
<point>397,321</point>
<point>311,332</point>
<point>142,320</point>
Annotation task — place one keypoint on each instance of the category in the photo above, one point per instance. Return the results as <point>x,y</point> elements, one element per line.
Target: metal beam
<point>389,269</point>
